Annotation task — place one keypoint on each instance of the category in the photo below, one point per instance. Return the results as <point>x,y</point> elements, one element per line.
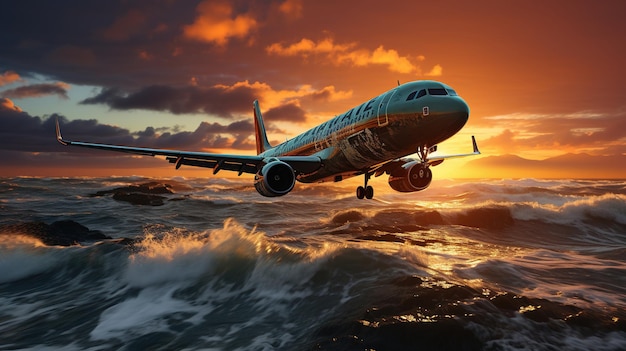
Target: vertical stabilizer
<point>262,143</point>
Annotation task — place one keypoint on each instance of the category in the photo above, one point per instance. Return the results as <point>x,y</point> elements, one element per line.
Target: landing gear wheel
<point>360,193</point>
<point>365,191</point>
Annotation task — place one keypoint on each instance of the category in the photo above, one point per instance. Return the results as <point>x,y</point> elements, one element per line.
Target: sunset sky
<point>545,80</point>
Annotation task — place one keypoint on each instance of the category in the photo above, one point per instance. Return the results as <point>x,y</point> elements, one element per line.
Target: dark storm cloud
<point>289,112</point>
<point>206,136</point>
<point>37,90</point>
<point>22,132</point>
<point>116,43</point>
<point>85,41</point>
<point>220,101</point>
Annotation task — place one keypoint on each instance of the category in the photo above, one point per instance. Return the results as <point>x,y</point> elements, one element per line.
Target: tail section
<point>262,143</point>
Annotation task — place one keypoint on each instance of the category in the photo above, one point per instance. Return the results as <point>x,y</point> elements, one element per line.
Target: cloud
<point>226,101</point>
<point>291,8</point>
<point>290,112</point>
<point>306,47</point>
<point>216,24</point>
<point>591,132</point>
<point>9,77</point>
<point>22,132</point>
<point>8,105</point>
<point>27,143</point>
<point>380,56</point>
<point>125,26</point>
<point>178,100</point>
<point>72,56</point>
<point>436,71</point>
<point>348,54</point>
<point>38,90</point>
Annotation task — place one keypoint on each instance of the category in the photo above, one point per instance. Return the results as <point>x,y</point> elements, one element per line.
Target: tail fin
<point>262,143</point>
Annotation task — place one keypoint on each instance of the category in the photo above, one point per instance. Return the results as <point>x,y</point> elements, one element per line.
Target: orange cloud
<point>272,98</point>
<point>38,90</point>
<point>347,54</point>
<point>7,104</point>
<point>9,77</point>
<point>538,136</point>
<point>215,24</point>
<point>291,8</point>
<point>436,71</point>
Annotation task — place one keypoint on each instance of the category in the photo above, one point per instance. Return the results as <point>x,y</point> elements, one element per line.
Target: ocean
<point>210,264</point>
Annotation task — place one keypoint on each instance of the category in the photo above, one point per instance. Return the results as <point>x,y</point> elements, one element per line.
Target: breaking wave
<point>501,265</point>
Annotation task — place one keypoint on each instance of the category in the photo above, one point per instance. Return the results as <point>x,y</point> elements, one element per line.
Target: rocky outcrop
<point>148,194</point>
<point>61,233</point>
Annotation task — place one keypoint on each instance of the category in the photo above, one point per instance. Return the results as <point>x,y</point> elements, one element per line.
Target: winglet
<point>262,143</point>
<point>59,137</point>
<point>476,151</point>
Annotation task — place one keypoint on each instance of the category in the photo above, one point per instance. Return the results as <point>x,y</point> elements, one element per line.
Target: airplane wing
<point>237,163</point>
<point>433,161</point>
<point>387,167</point>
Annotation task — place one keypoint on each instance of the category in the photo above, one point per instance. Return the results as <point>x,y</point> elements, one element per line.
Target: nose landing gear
<point>365,191</point>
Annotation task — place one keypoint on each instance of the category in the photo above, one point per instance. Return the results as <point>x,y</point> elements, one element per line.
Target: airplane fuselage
<point>389,126</point>
<point>372,138</point>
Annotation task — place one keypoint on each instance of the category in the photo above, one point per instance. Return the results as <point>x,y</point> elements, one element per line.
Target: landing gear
<point>422,153</point>
<point>365,191</point>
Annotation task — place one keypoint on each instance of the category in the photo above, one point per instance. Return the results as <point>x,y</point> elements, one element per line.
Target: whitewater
<point>464,265</point>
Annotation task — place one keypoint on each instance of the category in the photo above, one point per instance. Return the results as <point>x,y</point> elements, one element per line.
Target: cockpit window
<point>413,95</point>
<point>438,91</point>
<point>452,92</point>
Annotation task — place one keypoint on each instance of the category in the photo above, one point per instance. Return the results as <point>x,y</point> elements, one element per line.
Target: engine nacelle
<point>411,176</point>
<point>276,178</point>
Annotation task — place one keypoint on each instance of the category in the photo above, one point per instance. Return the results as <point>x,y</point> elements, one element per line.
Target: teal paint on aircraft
<point>372,138</point>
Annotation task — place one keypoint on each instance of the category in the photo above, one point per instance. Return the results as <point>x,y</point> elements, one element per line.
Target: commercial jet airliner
<point>372,138</point>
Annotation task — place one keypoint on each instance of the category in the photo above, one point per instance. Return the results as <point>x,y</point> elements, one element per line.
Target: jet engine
<point>411,176</point>
<point>276,178</point>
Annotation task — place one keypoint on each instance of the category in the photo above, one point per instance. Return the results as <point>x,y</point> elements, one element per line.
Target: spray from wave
<point>490,265</point>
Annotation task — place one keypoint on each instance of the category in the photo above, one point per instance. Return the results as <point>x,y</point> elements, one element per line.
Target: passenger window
<point>439,91</point>
<point>411,96</point>
<point>421,93</point>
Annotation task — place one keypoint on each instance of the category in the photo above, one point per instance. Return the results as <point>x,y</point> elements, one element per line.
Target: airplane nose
<point>459,111</point>
<point>463,108</point>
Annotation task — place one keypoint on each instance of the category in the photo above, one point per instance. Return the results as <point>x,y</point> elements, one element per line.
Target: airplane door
<point>382,108</point>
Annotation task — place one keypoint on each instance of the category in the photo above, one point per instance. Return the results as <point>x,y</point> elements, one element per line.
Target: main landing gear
<point>365,191</point>
<point>423,176</point>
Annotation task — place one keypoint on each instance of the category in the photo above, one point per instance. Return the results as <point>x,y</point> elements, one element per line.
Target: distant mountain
<point>564,166</point>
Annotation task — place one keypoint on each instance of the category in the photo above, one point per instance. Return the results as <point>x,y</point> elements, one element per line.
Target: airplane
<point>372,138</point>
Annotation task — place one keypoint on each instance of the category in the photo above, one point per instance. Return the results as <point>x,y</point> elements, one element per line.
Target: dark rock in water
<point>143,194</point>
<point>145,188</point>
<point>139,199</point>
<point>420,314</point>
<point>62,233</point>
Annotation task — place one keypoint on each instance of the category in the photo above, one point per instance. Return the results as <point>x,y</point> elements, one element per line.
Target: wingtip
<point>59,137</point>
<point>476,151</point>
